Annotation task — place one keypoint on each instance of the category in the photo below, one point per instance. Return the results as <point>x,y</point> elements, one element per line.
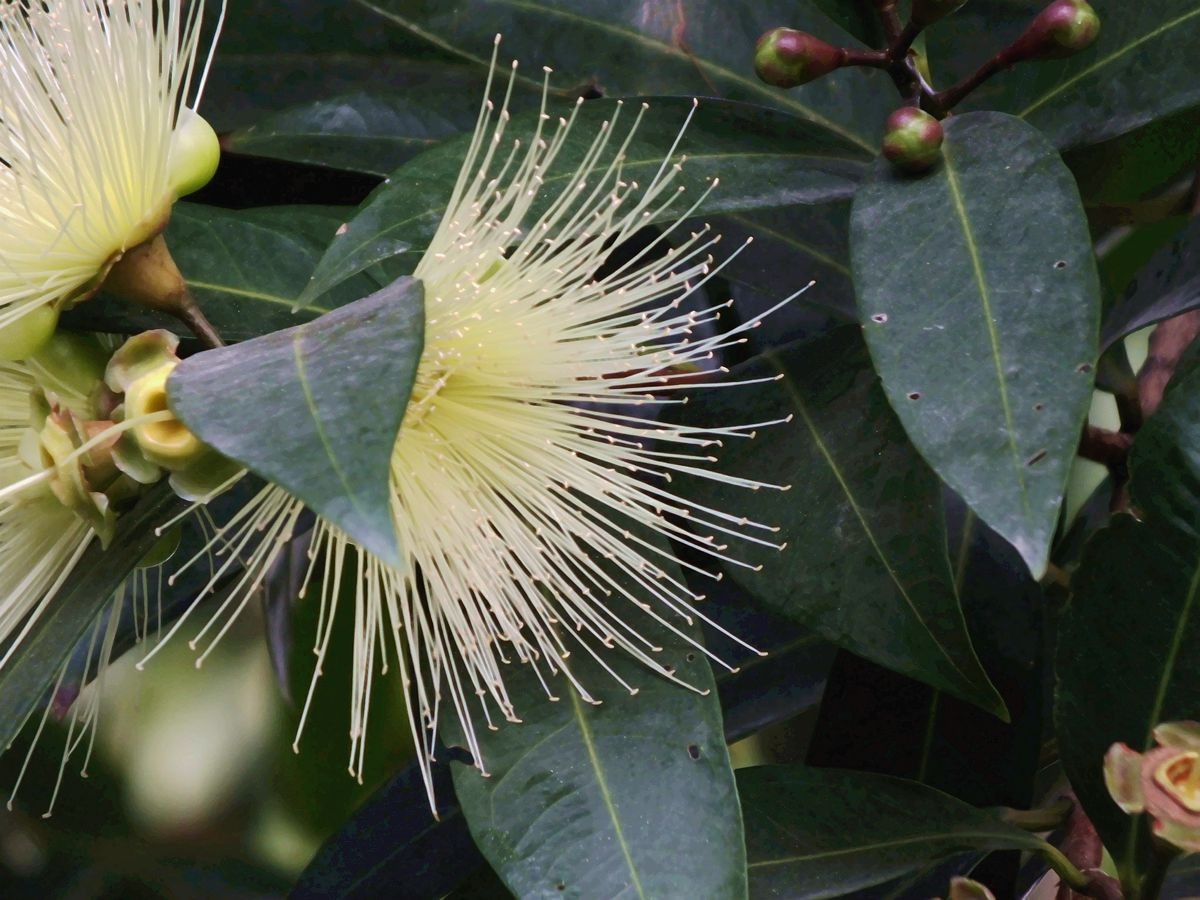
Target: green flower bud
<point>1062,29</point>
<point>1163,782</point>
<point>926,12</point>
<point>24,336</point>
<point>70,365</point>
<point>912,139</point>
<point>195,153</point>
<point>966,889</point>
<point>788,58</point>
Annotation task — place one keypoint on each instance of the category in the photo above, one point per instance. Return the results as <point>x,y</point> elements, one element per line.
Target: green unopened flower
<point>99,138</point>
<point>532,453</point>
<point>1163,782</point>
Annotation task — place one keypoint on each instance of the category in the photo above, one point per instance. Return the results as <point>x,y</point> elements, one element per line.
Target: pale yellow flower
<point>98,136</point>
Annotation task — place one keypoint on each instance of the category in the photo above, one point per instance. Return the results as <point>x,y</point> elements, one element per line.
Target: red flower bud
<point>787,58</point>
<point>1062,29</point>
<point>912,139</point>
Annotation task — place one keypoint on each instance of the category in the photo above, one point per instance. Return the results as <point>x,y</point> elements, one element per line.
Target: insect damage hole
<point>879,318</point>
<point>693,751</point>
<point>1036,458</point>
<point>914,395</point>
<point>1061,264</point>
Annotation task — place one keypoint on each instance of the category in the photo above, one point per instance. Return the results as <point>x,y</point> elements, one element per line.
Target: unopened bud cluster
<point>787,58</point>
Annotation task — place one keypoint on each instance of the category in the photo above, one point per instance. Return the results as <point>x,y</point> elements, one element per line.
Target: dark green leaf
<point>1127,654</point>
<point>1127,169</point>
<point>316,408</point>
<point>362,132</point>
<point>274,55</point>
<point>791,247</point>
<point>1142,67</point>
<point>632,797</point>
<point>394,840</point>
<point>688,47</point>
<point>1167,286</point>
<point>979,296</point>
<point>865,564</point>
<point>764,159</point>
<point>99,572</point>
<point>814,833</point>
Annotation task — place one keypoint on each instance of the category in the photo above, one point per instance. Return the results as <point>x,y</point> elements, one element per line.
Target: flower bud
<point>912,139</point>
<point>70,365</point>
<point>195,153</point>
<point>24,336</point>
<point>926,12</point>
<point>1062,29</point>
<point>788,58</point>
<point>1163,782</point>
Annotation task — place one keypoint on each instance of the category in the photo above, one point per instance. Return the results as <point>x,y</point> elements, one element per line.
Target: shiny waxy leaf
<point>1141,68</point>
<point>763,159</point>
<point>1129,646</point>
<point>363,132</point>
<point>633,797</point>
<point>865,561</point>
<point>28,675</point>
<point>317,408</point>
<point>979,297</point>
<point>1168,285</point>
<point>393,839</point>
<point>815,833</point>
<point>628,48</point>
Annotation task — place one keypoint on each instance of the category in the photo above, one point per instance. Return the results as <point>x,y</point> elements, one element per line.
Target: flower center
<point>1180,777</point>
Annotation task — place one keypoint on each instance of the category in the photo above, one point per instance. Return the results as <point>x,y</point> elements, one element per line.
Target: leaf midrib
<point>646,41</point>
<point>605,794</point>
<point>802,409</point>
<point>981,285</point>
<point>1101,63</point>
<point>881,845</point>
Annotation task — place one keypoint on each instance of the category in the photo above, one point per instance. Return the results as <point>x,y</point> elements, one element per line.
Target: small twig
<point>890,19</point>
<point>875,59</point>
<point>1046,818</point>
<point>946,100</point>
<point>898,49</point>
<point>188,312</point>
<point>1109,448</point>
<point>1168,343</point>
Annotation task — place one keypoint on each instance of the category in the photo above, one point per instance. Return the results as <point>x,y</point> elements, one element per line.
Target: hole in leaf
<point>691,657</point>
<point>879,318</point>
<point>560,886</point>
<point>1061,264</point>
<point>1038,407</point>
<point>915,395</point>
<point>1036,458</point>
<point>693,751</point>
<point>1084,368</point>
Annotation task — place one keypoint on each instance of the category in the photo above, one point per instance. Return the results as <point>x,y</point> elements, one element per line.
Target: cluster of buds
<point>788,58</point>
<point>1163,782</point>
<point>97,465</point>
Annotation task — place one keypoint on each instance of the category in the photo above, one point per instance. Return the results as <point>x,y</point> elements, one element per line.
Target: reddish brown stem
<point>1109,448</point>
<point>1167,345</point>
